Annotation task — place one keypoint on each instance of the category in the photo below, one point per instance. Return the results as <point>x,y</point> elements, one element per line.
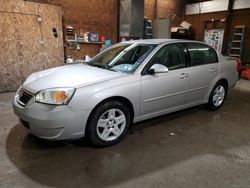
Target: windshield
<point>122,58</point>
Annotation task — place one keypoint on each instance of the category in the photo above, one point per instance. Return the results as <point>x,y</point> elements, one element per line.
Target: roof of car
<point>157,41</point>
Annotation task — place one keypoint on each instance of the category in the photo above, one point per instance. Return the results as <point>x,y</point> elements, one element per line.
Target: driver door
<point>164,92</point>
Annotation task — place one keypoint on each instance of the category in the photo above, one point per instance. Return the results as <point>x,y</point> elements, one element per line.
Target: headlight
<point>57,96</point>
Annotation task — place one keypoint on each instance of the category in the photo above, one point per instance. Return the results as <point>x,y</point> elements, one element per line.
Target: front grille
<point>24,97</point>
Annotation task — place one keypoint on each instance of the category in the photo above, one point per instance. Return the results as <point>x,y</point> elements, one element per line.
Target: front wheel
<point>108,124</point>
<point>217,96</point>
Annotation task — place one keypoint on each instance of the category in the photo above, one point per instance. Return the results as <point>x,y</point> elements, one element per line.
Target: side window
<point>172,56</point>
<point>201,54</point>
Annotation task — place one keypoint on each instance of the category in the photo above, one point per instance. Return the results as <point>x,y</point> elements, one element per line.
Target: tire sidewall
<point>91,129</point>
<point>211,105</point>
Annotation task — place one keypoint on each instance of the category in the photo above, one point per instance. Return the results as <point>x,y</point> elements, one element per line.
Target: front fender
<point>88,97</point>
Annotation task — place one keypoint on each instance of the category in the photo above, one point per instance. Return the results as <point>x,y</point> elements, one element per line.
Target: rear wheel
<point>108,124</point>
<point>217,96</point>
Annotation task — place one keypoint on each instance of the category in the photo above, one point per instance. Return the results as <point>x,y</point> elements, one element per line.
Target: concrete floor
<point>206,149</point>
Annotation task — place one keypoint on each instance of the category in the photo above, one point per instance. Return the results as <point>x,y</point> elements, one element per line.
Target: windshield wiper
<point>98,65</point>
<point>102,66</point>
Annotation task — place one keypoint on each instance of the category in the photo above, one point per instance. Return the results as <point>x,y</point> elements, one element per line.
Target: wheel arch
<point>121,99</point>
<point>223,80</point>
<point>209,104</point>
<point>214,84</point>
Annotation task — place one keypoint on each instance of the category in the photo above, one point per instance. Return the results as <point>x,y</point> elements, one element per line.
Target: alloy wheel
<point>111,124</point>
<point>218,95</point>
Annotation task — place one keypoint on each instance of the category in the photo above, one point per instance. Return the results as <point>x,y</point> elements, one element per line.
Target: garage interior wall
<point>100,16</point>
<point>26,45</point>
<point>161,8</point>
<point>198,20</point>
<point>97,16</point>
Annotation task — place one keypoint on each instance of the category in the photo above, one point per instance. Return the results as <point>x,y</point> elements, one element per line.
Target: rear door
<point>204,68</point>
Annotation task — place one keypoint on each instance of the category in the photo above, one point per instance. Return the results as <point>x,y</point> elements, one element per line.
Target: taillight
<point>239,64</point>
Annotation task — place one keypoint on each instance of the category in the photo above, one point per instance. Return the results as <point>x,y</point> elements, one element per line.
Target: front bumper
<point>52,122</point>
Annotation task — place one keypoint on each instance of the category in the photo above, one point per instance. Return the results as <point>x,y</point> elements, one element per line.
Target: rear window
<point>201,54</point>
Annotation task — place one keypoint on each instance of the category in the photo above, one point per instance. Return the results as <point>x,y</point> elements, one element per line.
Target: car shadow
<point>165,118</point>
<point>153,145</point>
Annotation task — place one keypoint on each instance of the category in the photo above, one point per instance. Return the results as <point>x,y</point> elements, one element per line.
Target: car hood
<point>68,76</point>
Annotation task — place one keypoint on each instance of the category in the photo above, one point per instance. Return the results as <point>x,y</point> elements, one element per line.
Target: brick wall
<point>100,16</point>
<point>97,16</point>
<point>165,7</point>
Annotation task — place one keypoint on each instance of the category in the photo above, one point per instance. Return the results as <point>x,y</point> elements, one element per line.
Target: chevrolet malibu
<point>127,83</point>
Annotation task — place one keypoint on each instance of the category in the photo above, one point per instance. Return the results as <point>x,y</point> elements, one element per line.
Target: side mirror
<point>158,68</point>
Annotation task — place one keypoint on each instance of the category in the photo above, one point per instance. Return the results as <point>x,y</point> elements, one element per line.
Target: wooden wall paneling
<point>25,45</point>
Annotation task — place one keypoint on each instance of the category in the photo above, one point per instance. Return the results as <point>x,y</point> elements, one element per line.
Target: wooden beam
<point>195,1</point>
<point>118,4</point>
<point>156,7</point>
<point>227,27</point>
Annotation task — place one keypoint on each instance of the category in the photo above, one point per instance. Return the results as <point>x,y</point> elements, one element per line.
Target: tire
<point>108,124</point>
<point>217,96</point>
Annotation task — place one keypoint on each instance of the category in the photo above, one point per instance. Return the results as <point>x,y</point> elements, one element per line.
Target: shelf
<point>236,55</point>
<point>82,42</point>
<point>236,41</point>
<point>90,42</point>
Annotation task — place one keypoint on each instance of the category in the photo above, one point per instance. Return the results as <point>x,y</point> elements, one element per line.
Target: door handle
<point>213,70</point>
<point>183,75</point>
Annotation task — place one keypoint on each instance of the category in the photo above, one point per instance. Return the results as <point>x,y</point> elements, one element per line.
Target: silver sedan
<point>127,83</point>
